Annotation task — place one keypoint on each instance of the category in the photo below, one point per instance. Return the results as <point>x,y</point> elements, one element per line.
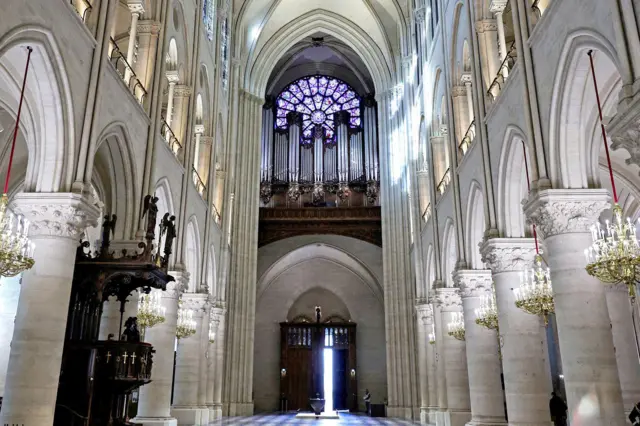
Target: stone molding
<point>182,90</point>
<point>206,140</point>
<point>565,211</point>
<point>497,6</point>
<point>448,299</point>
<point>173,77</point>
<point>148,27</point>
<point>198,302</point>
<point>473,283</point>
<point>458,91</point>
<point>486,25</point>
<point>179,286</point>
<point>466,79</point>
<point>57,214</point>
<point>508,254</point>
<point>420,14</point>
<point>424,312</point>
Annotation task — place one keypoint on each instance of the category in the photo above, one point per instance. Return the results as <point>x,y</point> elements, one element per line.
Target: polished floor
<point>290,419</point>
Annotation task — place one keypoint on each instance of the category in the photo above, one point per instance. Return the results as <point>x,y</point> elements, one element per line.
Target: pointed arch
<point>191,254</point>
<point>475,225</point>
<point>211,282</point>
<point>449,252</point>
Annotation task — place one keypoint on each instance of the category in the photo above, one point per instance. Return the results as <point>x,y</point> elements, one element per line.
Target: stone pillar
<point>489,56</point>
<point>203,371</point>
<point>186,407</point>
<point>221,176</point>
<point>431,368</point>
<point>137,8</point>
<point>172,77</point>
<point>523,361</point>
<point>154,405</point>
<point>57,221</point>
<point>181,94</point>
<point>624,342</point>
<point>563,218</point>
<point>455,360</point>
<point>148,32</point>
<point>218,313</point>
<point>9,294</point>
<point>483,359</point>
<point>497,8</point>
<point>422,331</point>
<point>466,80</point>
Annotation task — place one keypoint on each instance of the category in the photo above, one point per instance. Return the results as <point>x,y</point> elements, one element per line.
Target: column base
<point>454,418</point>
<point>215,412</point>
<point>239,409</point>
<point>192,416</point>
<point>400,412</point>
<point>424,415</point>
<point>433,415</point>
<point>155,421</point>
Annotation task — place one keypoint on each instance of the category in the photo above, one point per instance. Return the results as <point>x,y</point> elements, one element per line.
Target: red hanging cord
<point>15,131</point>
<point>526,169</point>
<point>604,133</point>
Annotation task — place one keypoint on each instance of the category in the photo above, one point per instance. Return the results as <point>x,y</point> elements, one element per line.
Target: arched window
<point>317,98</point>
<point>209,17</point>
<point>224,52</point>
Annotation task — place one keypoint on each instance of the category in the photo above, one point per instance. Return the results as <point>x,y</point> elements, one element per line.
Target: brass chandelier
<point>16,251</point>
<point>614,256</point>
<point>432,335</point>
<point>535,294</point>
<point>487,313</point>
<point>212,333</point>
<point>186,326</point>
<point>456,326</point>
<point>150,311</point>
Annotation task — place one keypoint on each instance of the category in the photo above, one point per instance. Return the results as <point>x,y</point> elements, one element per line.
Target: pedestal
<point>483,359</point>
<point>526,380</point>
<point>57,220</point>
<point>563,219</point>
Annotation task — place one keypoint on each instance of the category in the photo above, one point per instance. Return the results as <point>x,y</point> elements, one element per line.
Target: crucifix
<point>108,356</point>
<point>125,356</point>
<point>133,358</point>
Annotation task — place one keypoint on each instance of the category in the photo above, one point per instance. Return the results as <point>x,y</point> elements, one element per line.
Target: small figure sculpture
<point>108,231</point>
<point>318,314</point>
<point>150,207</point>
<point>169,226</point>
<point>131,333</point>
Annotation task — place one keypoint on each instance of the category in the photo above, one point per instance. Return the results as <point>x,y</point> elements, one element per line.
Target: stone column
<point>57,221</point>
<point>431,368</point>
<point>466,80</point>
<point>137,8</point>
<point>214,322</point>
<point>483,359</point>
<point>497,8</point>
<point>489,57</point>
<point>523,361</point>
<point>422,331</point>
<point>441,378</point>
<point>218,312</point>
<point>154,405</point>
<point>186,407</point>
<point>148,32</point>
<point>221,176</point>
<point>563,218</point>
<point>172,77</point>
<point>181,96</point>
<point>9,294</point>
<point>203,371</point>
<point>455,360</point>
<point>624,342</point>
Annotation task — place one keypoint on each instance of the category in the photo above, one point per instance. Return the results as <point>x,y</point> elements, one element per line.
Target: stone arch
<point>475,225</point>
<point>179,36</point>
<point>192,254</point>
<point>172,55</point>
<point>114,161</point>
<point>430,274</point>
<point>512,183</point>
<point>211,281</point>
<point>449,252</point>
<point>456,48</point>
<point>165,205</point>
<point>47,123</point>
<point>572,162</point>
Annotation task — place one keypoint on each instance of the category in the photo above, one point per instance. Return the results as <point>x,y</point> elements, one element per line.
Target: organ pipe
<point>294,120</point>
<point>318,159</point>
<point>266,165</point>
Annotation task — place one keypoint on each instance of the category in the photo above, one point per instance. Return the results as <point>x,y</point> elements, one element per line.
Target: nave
<point>346,419</point>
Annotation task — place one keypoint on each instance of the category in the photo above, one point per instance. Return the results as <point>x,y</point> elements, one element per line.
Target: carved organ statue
<point>319,146</point>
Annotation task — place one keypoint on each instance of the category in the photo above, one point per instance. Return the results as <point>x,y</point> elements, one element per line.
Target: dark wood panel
<point>299,374</point>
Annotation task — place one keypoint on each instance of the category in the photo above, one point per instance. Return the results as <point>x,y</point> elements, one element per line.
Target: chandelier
<point>614,256</point>
<point>487,313</point>
<point>212,333</point>
<point>432,335</point>
<point>16,251</point>
<point>456,326</point>
<point>186,326</point>
<point>150,311</point>
<point>535,295</point>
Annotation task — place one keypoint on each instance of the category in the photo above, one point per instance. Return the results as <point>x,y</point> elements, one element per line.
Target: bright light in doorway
<point>328,380</point>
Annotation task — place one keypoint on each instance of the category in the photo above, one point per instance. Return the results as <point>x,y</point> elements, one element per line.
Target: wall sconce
<point>283,373</point>
<point>353,373</point>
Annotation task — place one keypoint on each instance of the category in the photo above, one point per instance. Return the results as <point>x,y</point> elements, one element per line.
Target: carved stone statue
<point>108,230</point>
<point>151,211</point>
<point>131,333</point>
<point>318,314</point>
<point>169,227</point>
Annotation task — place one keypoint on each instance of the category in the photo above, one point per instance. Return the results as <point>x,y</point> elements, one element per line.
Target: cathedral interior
<point>358,212</point>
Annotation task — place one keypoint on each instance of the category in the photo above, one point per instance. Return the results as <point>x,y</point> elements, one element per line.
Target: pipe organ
<point>319,146</point>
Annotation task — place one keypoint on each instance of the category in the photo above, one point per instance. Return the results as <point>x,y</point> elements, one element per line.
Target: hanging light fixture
<point>614,256</point>
<point>150,311</point>
<point>432,335</point>
<point>487,313</point>
<point>186,326</point>
<point>212,332</point>
<point>535,294</point>
<point>456,326</point>
<point>16,251</point>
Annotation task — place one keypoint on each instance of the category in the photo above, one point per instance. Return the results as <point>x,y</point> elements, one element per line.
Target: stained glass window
<point>317,98</point>
<point>209,16</point>
<point>224,53</point>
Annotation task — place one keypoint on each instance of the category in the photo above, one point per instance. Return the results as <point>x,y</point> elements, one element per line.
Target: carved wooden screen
<point>301,363</point>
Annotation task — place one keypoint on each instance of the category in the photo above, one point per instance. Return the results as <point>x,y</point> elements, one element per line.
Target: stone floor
<point>290,419</point>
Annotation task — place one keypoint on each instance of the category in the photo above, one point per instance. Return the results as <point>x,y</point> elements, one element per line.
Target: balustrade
<point>503,73</point>
<point>468,138</point>
<point>216,214</point>
<point>444,183</point>
<point>126,72</point>
<point>197,181</point>
<point>170,138</point>
<point>82,8</point>
<point>426,215</point>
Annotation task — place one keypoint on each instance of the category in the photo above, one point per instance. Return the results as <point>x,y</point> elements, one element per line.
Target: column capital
<point>206,140</point>
<point>177,287</point>
<point>565,211</point>
<point>508,254</point>
<point>473,283</point>
<point>466,79</point>
<point>199,129</point>
<point>173,77</point>
<point>221,174</point>
<point>457,91</point>
<point>420,14</point>
<point>136,6</point>
<point>56,214</point>
<point>448,299</point>
<point>497,6</point>
<point>198,302</point>
<point>424,311</point>
<point>182,90</point>
<point>486,25</point>
<point>148,27</point>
